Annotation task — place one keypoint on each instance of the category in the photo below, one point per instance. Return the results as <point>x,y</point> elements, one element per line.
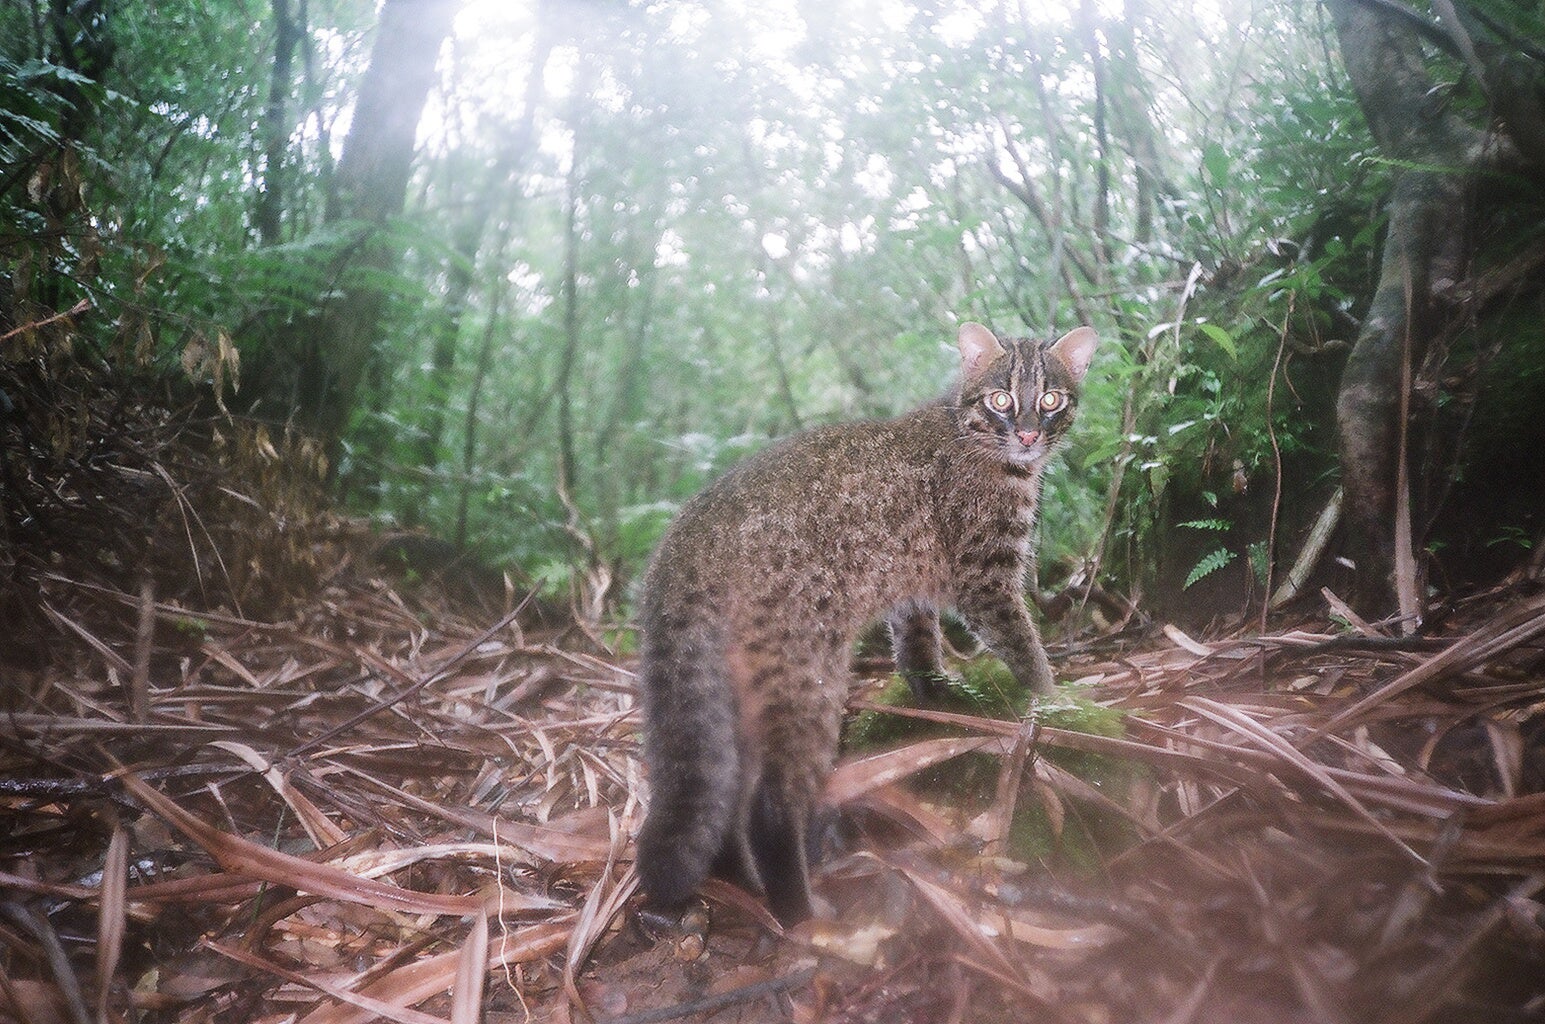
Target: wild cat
<point>759,588</point>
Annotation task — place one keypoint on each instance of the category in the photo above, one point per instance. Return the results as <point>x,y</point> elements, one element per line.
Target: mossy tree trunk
<point>1424,285</point>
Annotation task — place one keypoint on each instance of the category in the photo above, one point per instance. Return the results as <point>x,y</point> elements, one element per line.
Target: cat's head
<point>1017,396</point>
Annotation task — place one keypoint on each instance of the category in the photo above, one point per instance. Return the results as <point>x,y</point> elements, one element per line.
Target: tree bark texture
<point>568,468</point>
<point>1425,259</point>
<point>372,188</point>
<point>269,216</point>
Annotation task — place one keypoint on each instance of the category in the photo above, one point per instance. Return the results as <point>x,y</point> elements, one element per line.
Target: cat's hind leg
<point>777,838</point>
<point>800,719</point>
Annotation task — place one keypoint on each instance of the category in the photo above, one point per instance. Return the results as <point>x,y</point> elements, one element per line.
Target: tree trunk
<point>467,239</point>
<point>372,183</point>
<point>567,464</point>
<point>485,358</point>
<point>269,216</point>
<point>1424,259</point>
<point>1131,113</point>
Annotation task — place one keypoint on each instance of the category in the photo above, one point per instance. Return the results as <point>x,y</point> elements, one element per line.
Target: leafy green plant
<point>1208,564</point>
<point>1512,535</point>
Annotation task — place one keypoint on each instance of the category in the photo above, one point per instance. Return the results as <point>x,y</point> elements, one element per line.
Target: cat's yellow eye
<point>1053,400</point>
<point>1000,401</point>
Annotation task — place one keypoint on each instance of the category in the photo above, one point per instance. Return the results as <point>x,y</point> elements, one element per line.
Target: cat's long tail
<point>690,747</point>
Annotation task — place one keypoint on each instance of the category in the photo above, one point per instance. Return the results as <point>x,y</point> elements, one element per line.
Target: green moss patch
<point>1078,834</point>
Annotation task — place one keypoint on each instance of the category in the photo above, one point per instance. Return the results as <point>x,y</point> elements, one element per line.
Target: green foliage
<point>697,234</point>
<point>1210,563</point>
<point>195,629</point>
<point>1512,535</point>
<point>31,106</point>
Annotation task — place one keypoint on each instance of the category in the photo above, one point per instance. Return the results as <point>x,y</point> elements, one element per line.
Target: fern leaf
<point>1209,564</point>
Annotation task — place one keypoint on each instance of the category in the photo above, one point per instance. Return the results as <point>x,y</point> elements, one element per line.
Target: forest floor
<point>389,805</point>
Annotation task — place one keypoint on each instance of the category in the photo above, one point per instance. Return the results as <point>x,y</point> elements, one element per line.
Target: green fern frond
<point>1209,564</point>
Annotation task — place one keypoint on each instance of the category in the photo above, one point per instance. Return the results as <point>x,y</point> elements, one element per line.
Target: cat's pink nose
<point>1028,437</point>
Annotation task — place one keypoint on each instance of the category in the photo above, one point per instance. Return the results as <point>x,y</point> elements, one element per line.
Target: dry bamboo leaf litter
<point>350,788</point>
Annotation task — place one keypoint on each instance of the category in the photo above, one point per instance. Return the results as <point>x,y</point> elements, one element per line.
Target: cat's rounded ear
<point>978,347</point>
<point>1074,350</point>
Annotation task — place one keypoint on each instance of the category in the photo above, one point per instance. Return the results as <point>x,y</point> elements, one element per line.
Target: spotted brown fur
<point>760,586</point>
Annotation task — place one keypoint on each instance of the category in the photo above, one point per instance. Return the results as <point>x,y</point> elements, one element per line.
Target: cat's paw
<point>684,929</point>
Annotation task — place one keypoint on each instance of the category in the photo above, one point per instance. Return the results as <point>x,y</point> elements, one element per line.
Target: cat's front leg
<point>996,612</point>
<point>919,650</point>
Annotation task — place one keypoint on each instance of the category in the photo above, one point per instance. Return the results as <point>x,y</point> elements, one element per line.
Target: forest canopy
<point>527,275</point>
